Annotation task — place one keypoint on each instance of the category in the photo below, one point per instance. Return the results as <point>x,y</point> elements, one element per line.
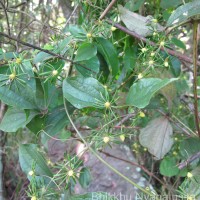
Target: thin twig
<point>176,124</point>
<point>72,14</point>
<point>189,160</point>
<point>137,165</point>
<point>139,37</point>
<point>195,57</point>
<point>107,9</point>
<point>124,119</point>
<point>44,50</point>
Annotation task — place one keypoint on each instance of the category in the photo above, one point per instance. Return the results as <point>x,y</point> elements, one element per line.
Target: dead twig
<point>189,160</point>
<point>107,9</point>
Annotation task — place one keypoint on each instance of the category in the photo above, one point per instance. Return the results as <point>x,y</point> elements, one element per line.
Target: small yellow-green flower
<point>106,139</point>
<point>144,50</point>
<point>189,175</point>
<point>162,43</point>
<point>107,105</point>
<point>70,173</point>
<point>18,61</point>
<point>89,35</point>
<point>113,28</point>
<point>140,76</point>
<point>155,21</point>
<point>141,114</point>
<point>54,72</point>
<point>151,62</point>
<point>12,76</point>
<point>166,64</point>
<point>122,137</point>
<point>33,198</point>
<point>31,173</point>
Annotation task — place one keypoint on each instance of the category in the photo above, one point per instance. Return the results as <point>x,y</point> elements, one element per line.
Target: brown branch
<point>44,50</point>
<point>124,119</point>
<point>145,40</point>
<point>189,160</point>
<point>107,9</point>
<point>195,58</point>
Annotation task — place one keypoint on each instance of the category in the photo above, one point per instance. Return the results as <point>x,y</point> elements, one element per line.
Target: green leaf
<point>165,4</point>
<point>141,92</point>
<point>92,196</point>
<point>168,167</point>
<point>129,58</point>
<point>178,43</point>
<point>56,120</point>
<point>21,97</point>
<point>77,31</point>
<point>157,137</point>
<point>28,156</point>
<point>93,64</point>
<point>189,147</point>
<point>36,124</point>
<point>60,48</point>
<point>21,91</point>
<point>85,177</point>
<point>41,57</point>
<point>83,92</point>
<point>183,13</point>
<point>15,119</point>
<point>8,55</point>
<point>85,52</point>
<point>109,52</point>
<point>176,66</point>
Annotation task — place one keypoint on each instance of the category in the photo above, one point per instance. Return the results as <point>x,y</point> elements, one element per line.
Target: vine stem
<point>195,57</point>
<point>101,159</point>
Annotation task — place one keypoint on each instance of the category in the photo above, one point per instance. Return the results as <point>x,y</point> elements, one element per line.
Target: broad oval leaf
<point>138,23</point>
<point>28,156</point>
<point>85,52</point>
<point>83,92</point>
<point>22,98</point>
<point>183,13</point>
<point>157,137</point>
<point>168,167</point>
<point>109,52</point>
<point>92,64</point>
<point>56,120</point>
<point>15,119</point>
<point>141,92</point>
